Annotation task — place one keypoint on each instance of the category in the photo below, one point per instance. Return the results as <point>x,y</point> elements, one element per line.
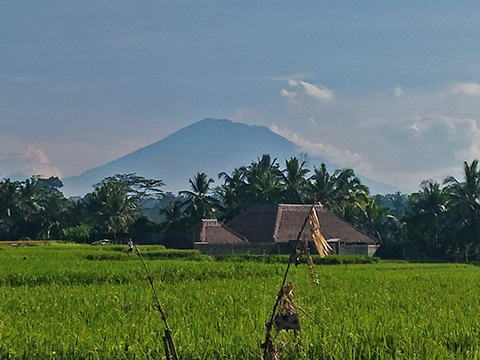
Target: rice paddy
<point>61,301</point>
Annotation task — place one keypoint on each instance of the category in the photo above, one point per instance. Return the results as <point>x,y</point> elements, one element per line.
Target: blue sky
<point>389,88</point>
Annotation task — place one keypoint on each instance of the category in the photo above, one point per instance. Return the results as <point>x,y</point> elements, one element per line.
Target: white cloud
<point>317,92</point>
<point>291,96</point>
<point>398,91</point>
<point>424,146</point>
<point>471,132</point>
<point>306,90</point>
<point>398,136</point>
<point>426,123</point>
<point>330,153</point>
<point>469,89</point>
<point>37,155</point>
<point>290,77</point>
<point>29,160</point>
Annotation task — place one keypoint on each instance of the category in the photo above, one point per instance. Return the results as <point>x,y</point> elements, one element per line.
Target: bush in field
<point>154,252</point>
<point>283,259</point>
<point>113,252</point>
<point>79,233</point>
<point>107,256</point>
<point>195,255</point>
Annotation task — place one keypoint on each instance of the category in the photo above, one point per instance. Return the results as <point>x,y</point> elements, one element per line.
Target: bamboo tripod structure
<point>269,324</point>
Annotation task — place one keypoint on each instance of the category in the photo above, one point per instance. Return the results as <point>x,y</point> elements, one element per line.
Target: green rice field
<point>62,301</point>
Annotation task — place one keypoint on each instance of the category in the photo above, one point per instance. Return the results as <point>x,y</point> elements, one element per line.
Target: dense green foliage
<point>440,221</point>
<point>31,208</point>
<point>73,302</point>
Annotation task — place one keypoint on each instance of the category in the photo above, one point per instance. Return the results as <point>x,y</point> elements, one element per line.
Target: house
<point>274,228</point>
<point>212,231</point>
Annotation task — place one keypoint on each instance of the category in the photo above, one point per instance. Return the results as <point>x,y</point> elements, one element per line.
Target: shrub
<point>175,254</point>
<point>79,233</point>
<point>283,259</point>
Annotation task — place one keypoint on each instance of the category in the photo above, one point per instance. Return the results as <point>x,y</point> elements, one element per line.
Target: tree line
<point>441,221</point>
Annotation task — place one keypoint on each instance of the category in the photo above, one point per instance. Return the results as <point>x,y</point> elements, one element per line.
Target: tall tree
<point>200,203</point>
<point>113,204</point>
<point>295,184</point>
<point>10,208</point>
<point>232,194</point>
<point>138,186</point>
<point>174,216</point>
<point>32,208</point>
<point>340,192</point>
<point>426,221</point>
<point>54,206</point>
<point>258,183</point>
<point>397,203</point>
<point>263,179</point>
<point>374,218</point>
<point>322,185</point>
<point>111,207</point>
<point>464,201</point>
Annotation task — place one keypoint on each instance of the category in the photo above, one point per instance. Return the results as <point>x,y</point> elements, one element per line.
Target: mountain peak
<point>212,120</point>
<point>210,146</point>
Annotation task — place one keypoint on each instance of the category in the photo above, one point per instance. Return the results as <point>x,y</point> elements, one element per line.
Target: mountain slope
<point>210,146</point>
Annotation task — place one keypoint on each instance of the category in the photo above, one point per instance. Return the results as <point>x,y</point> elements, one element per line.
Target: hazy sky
<point>389,88</point>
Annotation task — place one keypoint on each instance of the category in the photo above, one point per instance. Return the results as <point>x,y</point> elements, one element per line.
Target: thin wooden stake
<point>171,346</point>
<point>168,344</point>
<point>165,346</point>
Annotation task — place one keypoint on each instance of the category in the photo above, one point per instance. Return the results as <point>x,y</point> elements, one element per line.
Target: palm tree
<point>321,185</point>
<point>200,203</point>
<point>426,220</point>
<point>374,217</point>
<point>294,181</point>
<point>398,203</point>
<point>340,192</point>
<point>53,215</point>
<point>112,208</point>
<point>464,200</point>
<point>114,205</point>
<point>31,209</point>
<point>32,194</point>
<point>231,195</point>
<point>174,217</point>
<point>258,183</point>
<point>263,179</point>
<point>10,208</point>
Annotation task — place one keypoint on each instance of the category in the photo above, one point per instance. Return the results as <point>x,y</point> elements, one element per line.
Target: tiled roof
<point>256,224</point>
<point>213,231</point>
<point>282,223</point>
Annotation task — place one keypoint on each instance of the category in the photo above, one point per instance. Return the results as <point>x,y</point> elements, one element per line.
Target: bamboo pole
<point>170,351</point>
<point>271,320</point>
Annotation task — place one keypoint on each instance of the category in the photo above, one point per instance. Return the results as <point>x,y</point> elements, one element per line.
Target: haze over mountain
<point>210,146</point>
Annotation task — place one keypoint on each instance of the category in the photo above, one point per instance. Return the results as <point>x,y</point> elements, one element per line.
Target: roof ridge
<point>354,228</point>
<point>211,222</point>
<point>203,232</point>
<point>278,221</point>
<point>235,233</point>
